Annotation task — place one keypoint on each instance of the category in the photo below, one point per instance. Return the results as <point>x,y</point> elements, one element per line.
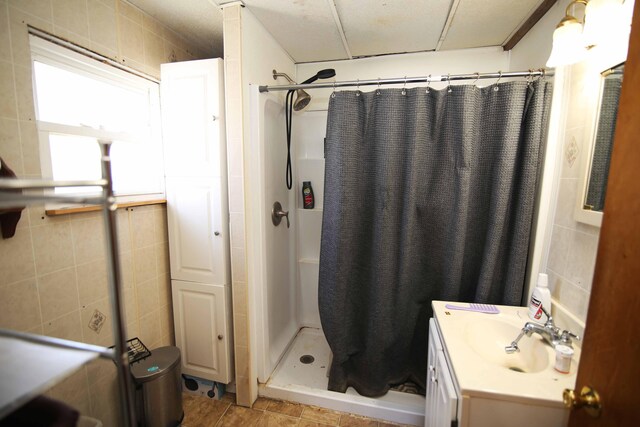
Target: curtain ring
<point>475,82</point>
<point>496,88</point>
<point>358,88</point>
<point>529,77</point>
<point>428,83</point>
<point>333,94</point>
<point>378,90</point>
<point>404,87</point>
<point>449,90</point>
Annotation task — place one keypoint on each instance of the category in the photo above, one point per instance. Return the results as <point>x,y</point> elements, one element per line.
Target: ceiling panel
<point>479,23</point>
<point>198,21</point>
<point>388,26</point>
<point>308,31</point>
<point>304,28</point>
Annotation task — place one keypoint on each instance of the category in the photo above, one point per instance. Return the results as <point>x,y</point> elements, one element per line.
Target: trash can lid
<point>159,363</point>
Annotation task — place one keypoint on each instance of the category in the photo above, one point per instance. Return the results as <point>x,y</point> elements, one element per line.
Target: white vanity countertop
<point>482,368</point>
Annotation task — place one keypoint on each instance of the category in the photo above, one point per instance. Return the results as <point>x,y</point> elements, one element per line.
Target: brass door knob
<point>589,399</point>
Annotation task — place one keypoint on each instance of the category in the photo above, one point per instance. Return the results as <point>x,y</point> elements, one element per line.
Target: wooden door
<point>610,361</point>
<point>202,330</point>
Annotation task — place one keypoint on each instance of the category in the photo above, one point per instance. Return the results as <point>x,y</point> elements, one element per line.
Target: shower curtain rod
<point>403,80</point>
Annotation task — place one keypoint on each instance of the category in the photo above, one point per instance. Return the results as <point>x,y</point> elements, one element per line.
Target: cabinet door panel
<point>202,329</point>
<point>435,346</point>
<point>446,397</point>
<point>198,238</point>
<point>193,118</point>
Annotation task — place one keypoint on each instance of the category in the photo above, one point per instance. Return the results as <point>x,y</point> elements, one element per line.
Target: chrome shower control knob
<point>277,213</point>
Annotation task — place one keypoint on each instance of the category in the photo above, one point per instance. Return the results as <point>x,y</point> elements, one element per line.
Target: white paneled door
<point>198,238</point>
<point>193,118</point>
<point>202,330</point>
<point>198,215</point>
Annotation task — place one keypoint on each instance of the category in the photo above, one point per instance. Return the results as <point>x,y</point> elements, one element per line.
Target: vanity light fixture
<point>572,37</point>
<point>604,21</point>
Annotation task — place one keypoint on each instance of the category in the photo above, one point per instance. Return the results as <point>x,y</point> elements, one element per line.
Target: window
<point>79,101</point>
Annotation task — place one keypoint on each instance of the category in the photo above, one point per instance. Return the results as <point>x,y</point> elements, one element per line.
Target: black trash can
<point>159,388</point>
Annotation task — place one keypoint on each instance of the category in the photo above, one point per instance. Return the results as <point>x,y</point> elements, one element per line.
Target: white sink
<point>488,338</point>
<point>475,342</point>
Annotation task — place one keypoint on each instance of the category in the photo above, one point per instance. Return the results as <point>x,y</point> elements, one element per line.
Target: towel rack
<point>37,361</point>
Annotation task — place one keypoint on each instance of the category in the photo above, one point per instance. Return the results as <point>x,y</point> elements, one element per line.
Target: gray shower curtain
<point>427,196</point>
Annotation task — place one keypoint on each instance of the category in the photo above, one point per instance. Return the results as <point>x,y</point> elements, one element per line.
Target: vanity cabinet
<point>468,389</point>
<point>442,399</point>
<point>198,215</point>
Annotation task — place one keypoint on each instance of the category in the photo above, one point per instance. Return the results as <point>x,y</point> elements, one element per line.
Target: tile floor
<point>205,412</point>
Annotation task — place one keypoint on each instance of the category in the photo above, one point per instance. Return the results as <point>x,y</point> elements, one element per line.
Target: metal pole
<point>103,352</point>
<point>407,80</point>
<point>127,410</point>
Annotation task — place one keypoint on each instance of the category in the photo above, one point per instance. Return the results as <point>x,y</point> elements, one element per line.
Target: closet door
<point>198,225</point>
<point>193,118</point>
<point>202,330</point>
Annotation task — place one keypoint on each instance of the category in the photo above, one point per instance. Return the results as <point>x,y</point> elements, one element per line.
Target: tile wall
<point>573,248</point>
<point>246,386</point>
<point>52,273</point>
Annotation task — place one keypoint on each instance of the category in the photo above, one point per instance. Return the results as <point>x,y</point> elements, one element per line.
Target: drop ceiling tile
<point>198,21</point>
<point>304,28</point>
<point>479,23</point>
<point>389,26</point>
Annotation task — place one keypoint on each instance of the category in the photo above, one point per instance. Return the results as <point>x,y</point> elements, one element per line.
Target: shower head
<point>302,97</point>
<point>302,100</point>
<point>322,74</point>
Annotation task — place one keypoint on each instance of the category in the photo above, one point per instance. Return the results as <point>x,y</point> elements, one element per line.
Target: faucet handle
<point>566,336</point>
<point>549,318</point>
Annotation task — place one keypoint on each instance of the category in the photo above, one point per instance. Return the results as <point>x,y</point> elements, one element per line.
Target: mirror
<point>603,142</point>
<point>590,203</point>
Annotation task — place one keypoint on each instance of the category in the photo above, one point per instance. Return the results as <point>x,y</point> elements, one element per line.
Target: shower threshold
<point>298,379</point>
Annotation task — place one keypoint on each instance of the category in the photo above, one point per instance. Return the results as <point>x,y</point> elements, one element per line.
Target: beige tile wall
<point>52,273</point>
<point>573,248</point>
<point>246,385</point>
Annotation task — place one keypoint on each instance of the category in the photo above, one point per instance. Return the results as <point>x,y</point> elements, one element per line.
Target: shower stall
<point>292,354</point>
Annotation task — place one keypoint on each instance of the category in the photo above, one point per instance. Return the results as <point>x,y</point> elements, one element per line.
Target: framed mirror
<point>598,146</point>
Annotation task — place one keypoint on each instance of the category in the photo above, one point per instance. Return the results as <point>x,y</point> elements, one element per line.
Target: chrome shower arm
<point>277,74</point>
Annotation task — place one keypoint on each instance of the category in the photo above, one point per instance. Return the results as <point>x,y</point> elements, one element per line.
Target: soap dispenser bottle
<point>541,297</point>
<point>308,201</point>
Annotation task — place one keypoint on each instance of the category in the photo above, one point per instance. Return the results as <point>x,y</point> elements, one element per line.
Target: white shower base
<point>307,383</point>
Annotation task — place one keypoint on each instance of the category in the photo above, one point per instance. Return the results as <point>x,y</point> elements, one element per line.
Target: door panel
<point>193,116</point>
<point>446,397</point>
<point>198,237</point>
<point>611,349</point>
<point>202,332</point>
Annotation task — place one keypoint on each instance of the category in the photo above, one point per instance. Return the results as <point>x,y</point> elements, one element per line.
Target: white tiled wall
<point>573,246</point>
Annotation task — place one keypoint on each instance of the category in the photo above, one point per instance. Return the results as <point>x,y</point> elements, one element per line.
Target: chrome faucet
<point>549,332</point>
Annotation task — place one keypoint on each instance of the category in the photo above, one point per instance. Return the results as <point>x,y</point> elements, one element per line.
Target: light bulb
<point>602,21</point>
<point>568,44</point>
